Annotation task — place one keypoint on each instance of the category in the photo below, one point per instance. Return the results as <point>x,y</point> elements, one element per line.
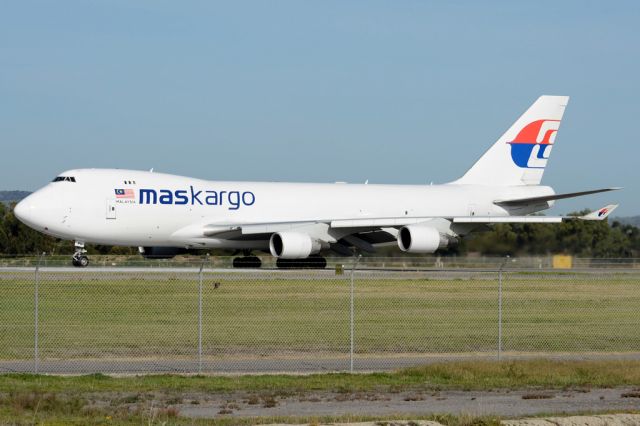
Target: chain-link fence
<point>217,320</point>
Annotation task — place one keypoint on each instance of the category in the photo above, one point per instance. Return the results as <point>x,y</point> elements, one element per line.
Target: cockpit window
<point>64,179</point>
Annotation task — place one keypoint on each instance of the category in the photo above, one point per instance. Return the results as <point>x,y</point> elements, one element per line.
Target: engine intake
<point>293,245</point>
<point>422,239</point>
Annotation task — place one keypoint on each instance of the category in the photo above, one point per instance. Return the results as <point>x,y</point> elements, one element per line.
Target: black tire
<point>316,262</point>
<point>75,262</point>
<point>83,262</point>
<point>253,262</point>
<point>247,262</point>
<point>311,262</point>
<point>286,263</point>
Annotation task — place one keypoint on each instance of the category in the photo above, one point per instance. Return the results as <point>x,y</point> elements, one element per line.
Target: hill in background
<point>8,197</point>
<point>631,220</point>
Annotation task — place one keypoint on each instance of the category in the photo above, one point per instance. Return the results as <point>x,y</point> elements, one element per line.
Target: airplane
<point>165,215</point>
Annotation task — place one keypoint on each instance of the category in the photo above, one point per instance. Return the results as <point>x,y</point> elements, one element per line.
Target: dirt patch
<point>537,396</point>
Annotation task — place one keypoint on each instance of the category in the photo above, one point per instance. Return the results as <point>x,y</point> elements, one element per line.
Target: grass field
<point>122,315</point>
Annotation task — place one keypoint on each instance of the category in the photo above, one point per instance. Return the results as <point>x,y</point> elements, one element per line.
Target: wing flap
<point>377,222</point>
<point>508,219</point>
<point>269,228</point>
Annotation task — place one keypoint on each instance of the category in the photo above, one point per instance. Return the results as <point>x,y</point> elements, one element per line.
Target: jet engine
<point>160,252</point>
<point>422,239</point>
<point>293,245</point>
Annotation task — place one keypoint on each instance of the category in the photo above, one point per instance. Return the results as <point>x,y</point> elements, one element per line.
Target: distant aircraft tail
<point>520,156</point>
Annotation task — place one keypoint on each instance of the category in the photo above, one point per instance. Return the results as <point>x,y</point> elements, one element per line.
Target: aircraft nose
<point>21,211</point>
<point>30,211</point>
<point>24,211</point>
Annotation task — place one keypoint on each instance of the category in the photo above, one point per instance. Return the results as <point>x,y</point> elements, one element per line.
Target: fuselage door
<point>111,209</point>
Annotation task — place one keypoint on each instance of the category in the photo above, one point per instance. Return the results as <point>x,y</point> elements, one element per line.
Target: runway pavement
<point>272,365</point>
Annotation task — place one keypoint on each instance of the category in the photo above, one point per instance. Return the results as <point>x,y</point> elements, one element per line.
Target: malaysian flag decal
<point>125,194</point>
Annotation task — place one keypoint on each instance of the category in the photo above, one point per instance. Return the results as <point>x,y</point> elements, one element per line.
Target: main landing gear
<point>250,261</point>
<point>79,258</point>
<point>247,261</point>
<point>311,262</point>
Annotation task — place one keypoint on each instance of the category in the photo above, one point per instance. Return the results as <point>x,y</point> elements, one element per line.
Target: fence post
<point>36,295</point>
<point>504,262</point>
<point>204,260</point>
<point>351,314</point>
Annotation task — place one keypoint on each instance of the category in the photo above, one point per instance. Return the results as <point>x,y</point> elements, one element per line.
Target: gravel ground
<point>604,420</point>
<point>503,403</point>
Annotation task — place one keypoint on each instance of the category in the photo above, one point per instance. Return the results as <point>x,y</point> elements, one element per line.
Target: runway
<point>282,365</point>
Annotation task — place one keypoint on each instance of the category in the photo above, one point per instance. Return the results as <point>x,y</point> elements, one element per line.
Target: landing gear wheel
<point>311,262</point>
<point>316,262</point>
<point>247,262</point>
<point>79,258</point>
<point>285,263</point>
<point>81,261</point>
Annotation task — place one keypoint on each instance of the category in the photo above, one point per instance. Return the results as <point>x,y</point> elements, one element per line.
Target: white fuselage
<point>172,211</point>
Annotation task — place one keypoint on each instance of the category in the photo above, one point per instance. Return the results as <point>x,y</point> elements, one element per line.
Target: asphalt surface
<point>230,366</point>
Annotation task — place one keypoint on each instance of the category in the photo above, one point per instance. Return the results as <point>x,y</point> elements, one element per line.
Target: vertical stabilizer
<point>520,156</point>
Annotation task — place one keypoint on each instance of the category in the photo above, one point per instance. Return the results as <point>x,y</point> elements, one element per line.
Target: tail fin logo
<point>532,146</point>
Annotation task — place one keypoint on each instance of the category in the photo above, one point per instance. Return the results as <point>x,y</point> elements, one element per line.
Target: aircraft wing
<point>362,232</point>
<point>599,214</point>
<point>391,222</point>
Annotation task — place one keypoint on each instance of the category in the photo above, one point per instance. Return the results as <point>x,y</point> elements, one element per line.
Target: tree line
<point>581,238</point>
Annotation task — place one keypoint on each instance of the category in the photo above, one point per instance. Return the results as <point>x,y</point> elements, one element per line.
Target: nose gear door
<point>111,209</point>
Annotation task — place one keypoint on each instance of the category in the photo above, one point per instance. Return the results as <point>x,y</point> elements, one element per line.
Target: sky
<point>385,91</point>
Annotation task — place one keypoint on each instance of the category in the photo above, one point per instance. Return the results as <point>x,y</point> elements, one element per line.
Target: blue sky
<point>389,91</point>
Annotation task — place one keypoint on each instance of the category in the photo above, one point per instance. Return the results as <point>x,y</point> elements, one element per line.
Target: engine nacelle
<point>421,239</point>
<point>160,252</point>
<point>293,245</point>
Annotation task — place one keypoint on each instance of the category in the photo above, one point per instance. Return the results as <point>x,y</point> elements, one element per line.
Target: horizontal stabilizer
<point>600,214</point>
<point>542,199</point>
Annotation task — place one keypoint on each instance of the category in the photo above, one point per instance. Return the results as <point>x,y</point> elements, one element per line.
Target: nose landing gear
<point>79,258</point>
